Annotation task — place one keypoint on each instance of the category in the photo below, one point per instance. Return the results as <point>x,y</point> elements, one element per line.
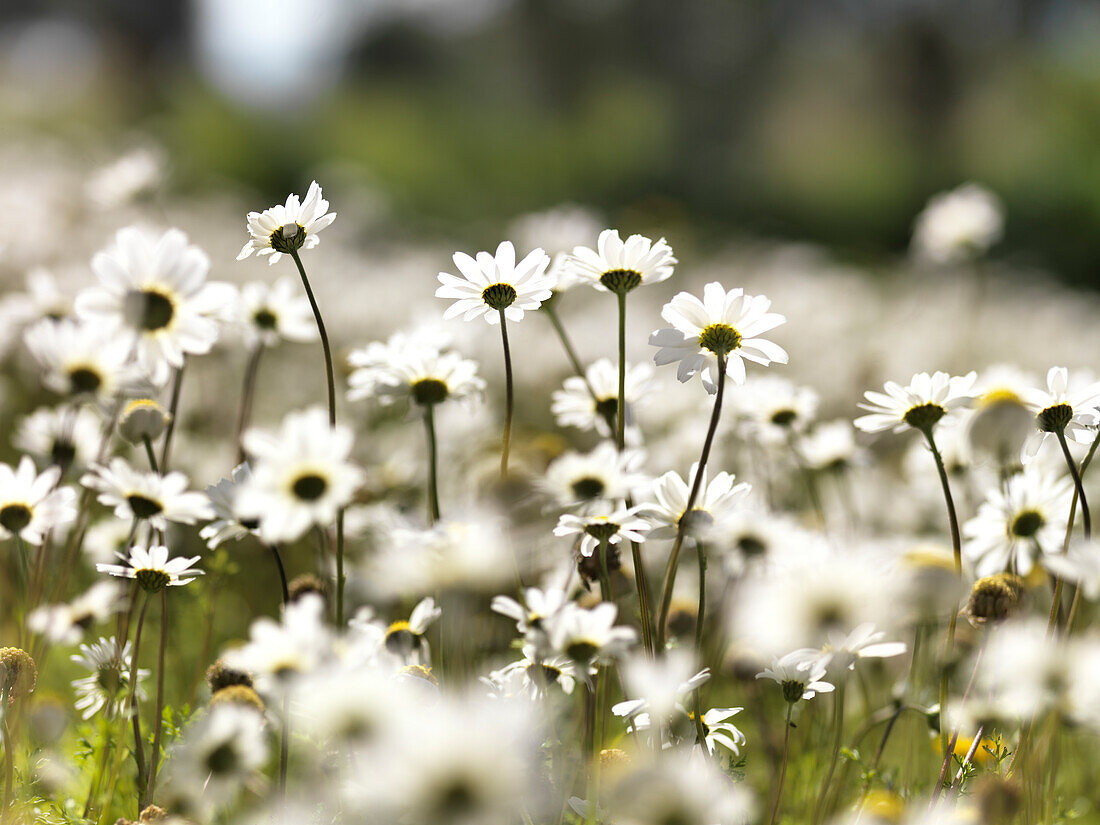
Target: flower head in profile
<point>619,266</point>
<point>591,402</point>
<point>495,284</point>
<point>153,290</point>
<point>921,405</point>
<point>227,525</point>
<point>606,522</point>
<point>800,674</point>
<point>137,495</point>
<point>108,684</point>
<point>715,502</point>
<point>1067,406</point>
<point>29,505</point>
<point>958,225</point>
<point>67,623</point>
<point>301,475</point>
<point>724,326</point>
<point>423,375</point>
<point>288,227</point>
<point>152,568</point>
<point>407,638</point>
<point>270,313</point>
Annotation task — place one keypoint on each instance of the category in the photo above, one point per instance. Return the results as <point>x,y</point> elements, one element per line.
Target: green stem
<point>508,394</point>
<point>248,395</point>
<point>620,408</point>
<point>282,572</point>
<point>150,454</point>
<point>135,715</point>
<point>1085,516</point>
<point>433,483</point>
<point>154,754</point>
<point>173,412</point>
<point>9,753</point>
<point>674,555</point>
<point>567,345</point>
<point>701,611</point>
<point>329,373</point>
<point>838,730</point>
<point>284,746</point>
<point>605,577</point>
<point>782,765</point>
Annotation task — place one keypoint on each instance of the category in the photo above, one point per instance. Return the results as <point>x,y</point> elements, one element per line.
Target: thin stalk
<point>674,555</point>
<point>570,353</point>
<point>282,571</point>
<point>1086,518</point>
<point>173,412</point>
<point>508,394</point>
<point>341,578</point>
<point>782,765</point>
<point>132,704</point>
<point>248,395</point>
<point>620,409</point>
<point>807,477</point>
<point>838,730</point>
<point>701,611</point>
<point>433,482</point>
<point>9,753</point>
<point>949,752</point>
<point>1069,530</point>
<point>151,455</point>
<point>641,583</point>
<point>606,593</point>
<point>154,755</point>
<point>284,746</point>
<point>101,768</point>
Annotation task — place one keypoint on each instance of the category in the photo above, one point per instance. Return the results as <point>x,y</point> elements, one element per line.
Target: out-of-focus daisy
<point>108,686</point>
<point>588,636</point>
<point>715,728</point>
<point>1018,524</point>
<point>66,623</point>
<point>270,313</point>
<point>619,266</point>
<point>607,523</point>
<point>227,525</point>
<point>829,446</point>
<point>30,507</point>
<point>494,283</point>
<point>1001,420</point>
<point>724,325</point>
<point>533,675</point>
<point>591,402</point>
<point>1066,406</point>
<point>84,360</point>
<point>864,642</point>
<point>43,300</point>
<point>661,684</point>
<point>121,181</point>
<point>152,568</point>
<point>539,606</point>
<point>301,475</point>
<point>1081,565</point>
<point>679,786</point>
<point>558,231</point>
<point>288,227</point>
<point>420,374</point>
<point>63,437</point>
<point>774,407</point>
<point>604,474</point>
<point>406,638</point>
<point>921,405</point>
<point>153,290</point>
<point>277,652</point>
<point>137,495</point>
<point>716,500</point>
<point>958,225</point>
<point>800,674</point>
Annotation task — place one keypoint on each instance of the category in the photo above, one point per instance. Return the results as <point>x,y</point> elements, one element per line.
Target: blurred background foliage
<point>831,121</point>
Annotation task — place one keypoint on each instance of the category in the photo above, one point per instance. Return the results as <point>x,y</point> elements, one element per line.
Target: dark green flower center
<point>695,520</point>
<point>429,391</point>
<point>601,530</point>
<point>721,339</point>
<point>265,319</point>
<point>582,650</point>
<point>281,243</point>
<point>549,673</point>
<point>792,690</point>
<point>153,581</point>
<point>784,418</point>
<point>222,760</point>
<point>751,546</point>
<point>607,407</point>
<point>588,487</point>
<point>143,506</point>
<point>14,517</point>
<point>621,281</point>
<point>62,453</point>
<point>149,309</point>
<point>1054,419</point>
<point>499,296</point>
<point>84,380</point>
<point>1027,523</point>
<point>108,677</point>
<point>309,487</point>
<point>924,416</point>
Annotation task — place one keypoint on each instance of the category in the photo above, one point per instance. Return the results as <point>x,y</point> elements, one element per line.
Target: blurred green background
<point>831,121</point>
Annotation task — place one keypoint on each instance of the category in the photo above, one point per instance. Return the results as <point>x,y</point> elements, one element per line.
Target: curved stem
<point>674,555</point>
<point>248,394</point>
<point>154,754</point>
<point>282,572</point>
<point>838,730</point>
<point>567,345</point>
<point>329,374</point>
<point>508,394</point>
<point>1086,518</point>
<point>135,715</point>
<point>173,411</point>
<point>620,408</point>
<point>433,483</point>
<point>782,764</point>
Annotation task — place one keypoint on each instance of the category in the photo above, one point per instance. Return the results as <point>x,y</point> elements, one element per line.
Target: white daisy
<point>1018,524</point>
<point>620,266</point>
<point>406,638</point>
<point>152,568</point>
<point>588,636</point>
<point>532,675</point>
<point>227,525</point>
<point>30,506</point>
<point>108,686</point>
<point>66,623</point>
<point>154,290</point>
<point>60,436</point>
<point>715,502</point>
<point>149,496</point>
<point>604,522</point>
<point>42,300</point>
<point>279,651</point>
<point>301,475</point>
<point>120,182</point>
<point>842,650</point>
<point>604,474</point>
<point>84,360</point>
<point>661,684</point>
<point>800,674</point>
<point>958,225</point>
<point>591,403</point>
<point>724,325</point>
<point>830,446</point>
<point>492,284</point>
<point>270,313</point>
<point>1080,565</point>
<point>1068,406</point>
<point>921,405</point>
<point>421,374</point>
<point>773,407</point>
<point>288,227</point>
<point>539,607</point>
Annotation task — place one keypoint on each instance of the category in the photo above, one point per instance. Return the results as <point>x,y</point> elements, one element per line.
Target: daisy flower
<point>921,405</point>
<point>716,500</point>
<point>152,568</point>
<point>1018,524</point>
<point>716,730</point>
<point>137,495</point>
<point>604,474</point>
<point>830,446</point>
<point>30,507</point>
<point>539,607</point>
<point>774,408</point>
<point>301,475</point>
<point>66,623</point>
<point>723,327</point>
<point>286,228</point>
<point>661,683</point>
<point>153,290</point>
<point>406,638</point>
<point>1080,565</point>
<point>108,685</point>
<point>278,651</point>
<point>84,360</point>
<point>227,526</point>
<point>43,300</point>
<point>800,674</point>
<point>957,225</point>
<point>420,374</point>
<point>864,642</point>
<point>1066,406</point>
<point>619,266</point>
<point>607,523</point>
<point>532,675</point>
<point>270,313</point>
<point>61,436</point>
<point>494,284</point>
<point>589,403</point>
<point>588,636</point>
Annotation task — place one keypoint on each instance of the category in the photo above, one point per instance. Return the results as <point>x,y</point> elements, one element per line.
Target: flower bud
<point>18,674</point>
<point>143,419</point>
